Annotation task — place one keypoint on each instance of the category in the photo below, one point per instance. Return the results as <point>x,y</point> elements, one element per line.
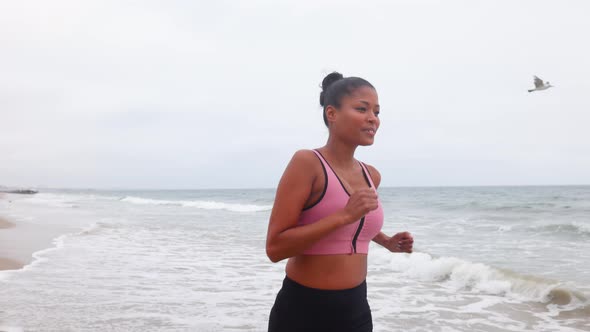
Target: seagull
<point>539,85</point>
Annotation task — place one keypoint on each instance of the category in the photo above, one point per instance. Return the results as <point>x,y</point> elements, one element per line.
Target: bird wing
<point>538,82</point>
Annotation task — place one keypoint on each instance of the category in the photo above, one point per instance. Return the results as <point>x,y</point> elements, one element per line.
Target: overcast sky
<point>220,94</point>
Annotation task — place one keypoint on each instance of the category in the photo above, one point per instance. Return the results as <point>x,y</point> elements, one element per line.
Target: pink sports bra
<point>348,239</point>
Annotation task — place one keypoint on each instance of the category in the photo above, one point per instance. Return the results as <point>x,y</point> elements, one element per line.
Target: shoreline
<point>10,264</point>
<point>21,239</point>
<point>7,263</point>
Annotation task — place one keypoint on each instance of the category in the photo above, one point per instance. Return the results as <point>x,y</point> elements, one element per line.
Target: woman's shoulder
<point>374,174</point>
<point>303,168</point>
<point>305,159</point>
<point>306,156</point>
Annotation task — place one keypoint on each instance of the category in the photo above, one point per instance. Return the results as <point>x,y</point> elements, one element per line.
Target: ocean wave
<point>207,205</point>
<point>574,227</point>
<point>504,228</point>
<point>54,200</point>
<point>67,200</point>
<point>38,257</point>
<point>505,207</point>
<point>96,227</point>
<point>477,277</point>
<point>582,228</point>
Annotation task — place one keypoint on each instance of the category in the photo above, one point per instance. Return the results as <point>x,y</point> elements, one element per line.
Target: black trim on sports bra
<point>325,185</point>
<point>362,223</point>
<point>365,175</point>
<point>357,233</point>
<point>336,175</point>
<point>368,171</point>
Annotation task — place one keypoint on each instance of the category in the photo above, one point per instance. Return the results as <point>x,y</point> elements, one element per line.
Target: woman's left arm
<point>400,242</point>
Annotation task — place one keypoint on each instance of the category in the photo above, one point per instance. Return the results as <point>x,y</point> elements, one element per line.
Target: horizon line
<point>268,188</point>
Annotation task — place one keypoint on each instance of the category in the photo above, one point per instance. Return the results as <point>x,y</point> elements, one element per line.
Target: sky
<point>220,94</point>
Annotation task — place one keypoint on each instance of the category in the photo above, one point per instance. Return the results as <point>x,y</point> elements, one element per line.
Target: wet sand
<point>7,263</point>
<point>20,239</point>
<point>5,223</point>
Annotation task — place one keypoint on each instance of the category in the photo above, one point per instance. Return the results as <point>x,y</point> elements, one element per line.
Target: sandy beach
<point>7,263</point>
<point>5,223</point>
<point>20,239</point>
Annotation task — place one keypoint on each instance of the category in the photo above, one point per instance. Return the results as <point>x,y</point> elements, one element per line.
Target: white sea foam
<point>54,200</point>
<point>6,328</point>
<point>38,258</point>
<point>65,199</point>
<point>463,275</point>
<point>41,255</point>
<point>582,227</point>
<point>206,205</point>
<point>572,227</point>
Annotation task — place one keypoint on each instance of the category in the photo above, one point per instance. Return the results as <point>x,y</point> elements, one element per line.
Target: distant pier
<point>19,191</point>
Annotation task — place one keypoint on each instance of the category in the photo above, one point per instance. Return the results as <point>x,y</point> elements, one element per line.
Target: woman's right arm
<point>284,239</point>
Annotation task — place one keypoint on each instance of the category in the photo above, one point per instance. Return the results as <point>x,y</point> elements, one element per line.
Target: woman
<point>326,211</point>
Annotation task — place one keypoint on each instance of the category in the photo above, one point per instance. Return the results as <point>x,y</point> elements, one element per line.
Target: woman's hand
<point>400,242</point>
<point>360,203</point>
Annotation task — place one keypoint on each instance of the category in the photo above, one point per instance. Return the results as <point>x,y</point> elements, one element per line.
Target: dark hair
<point>335,86</point>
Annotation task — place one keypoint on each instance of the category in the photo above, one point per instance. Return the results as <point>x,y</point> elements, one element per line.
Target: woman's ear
<point>331,113</point>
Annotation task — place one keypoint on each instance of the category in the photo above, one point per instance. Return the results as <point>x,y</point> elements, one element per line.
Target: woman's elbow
<point>273,254</point>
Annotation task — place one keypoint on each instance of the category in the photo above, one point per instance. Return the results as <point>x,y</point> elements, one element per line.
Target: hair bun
<point>329,80</point>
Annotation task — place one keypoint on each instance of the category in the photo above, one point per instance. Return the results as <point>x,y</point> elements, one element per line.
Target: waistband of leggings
<point>292,284</point>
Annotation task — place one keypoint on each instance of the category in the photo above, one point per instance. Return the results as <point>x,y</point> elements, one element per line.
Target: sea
<point>485,259</point>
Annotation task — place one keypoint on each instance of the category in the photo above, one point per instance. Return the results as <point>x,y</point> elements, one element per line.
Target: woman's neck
<point>341,155</point>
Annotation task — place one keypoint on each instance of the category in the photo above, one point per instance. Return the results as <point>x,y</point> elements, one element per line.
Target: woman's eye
<point>377,113</point>
<point>361,109</point>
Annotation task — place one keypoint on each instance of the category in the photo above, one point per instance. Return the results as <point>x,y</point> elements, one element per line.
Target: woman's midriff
<point>328,271</point>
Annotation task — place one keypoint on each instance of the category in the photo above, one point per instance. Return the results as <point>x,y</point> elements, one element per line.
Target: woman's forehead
<point>365,93</point>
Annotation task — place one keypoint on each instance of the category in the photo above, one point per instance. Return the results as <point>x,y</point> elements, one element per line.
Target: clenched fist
<point>360,203</point>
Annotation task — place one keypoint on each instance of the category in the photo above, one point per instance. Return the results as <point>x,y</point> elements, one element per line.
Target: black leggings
<point>302,309</point>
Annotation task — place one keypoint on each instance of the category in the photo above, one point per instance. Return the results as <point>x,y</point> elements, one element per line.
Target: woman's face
<point>357,119</point>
